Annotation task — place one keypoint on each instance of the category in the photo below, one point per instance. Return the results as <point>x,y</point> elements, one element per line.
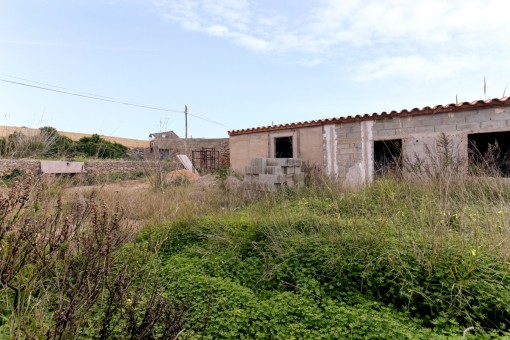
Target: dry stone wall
<point>91,167</point>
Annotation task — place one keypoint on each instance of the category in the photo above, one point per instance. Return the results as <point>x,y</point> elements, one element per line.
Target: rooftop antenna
<point>485,87</point>
<point>504,91</point>
<point>186,121</point>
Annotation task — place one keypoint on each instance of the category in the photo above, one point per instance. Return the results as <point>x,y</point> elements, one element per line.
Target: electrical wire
<point>64,90</point>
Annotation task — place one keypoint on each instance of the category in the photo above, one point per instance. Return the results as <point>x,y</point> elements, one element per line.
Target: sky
<point>240,63</point>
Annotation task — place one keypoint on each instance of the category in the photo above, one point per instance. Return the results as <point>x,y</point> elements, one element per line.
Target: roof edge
<point>427,110</point>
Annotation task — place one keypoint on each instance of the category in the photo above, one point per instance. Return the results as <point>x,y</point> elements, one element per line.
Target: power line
<point>196,115</point>
<point>91,97</point>
<point>102,98</point>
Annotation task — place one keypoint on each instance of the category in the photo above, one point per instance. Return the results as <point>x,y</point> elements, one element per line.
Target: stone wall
<point>91,167</point>
<point>181,146</point>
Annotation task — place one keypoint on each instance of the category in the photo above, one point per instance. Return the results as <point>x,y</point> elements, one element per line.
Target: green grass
<point>393,260</point>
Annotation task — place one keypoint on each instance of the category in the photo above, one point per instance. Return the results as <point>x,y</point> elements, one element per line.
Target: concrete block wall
<point>307,146</point>
<point>419,135</point>
<point>272,174</point>
<point>346,150</point>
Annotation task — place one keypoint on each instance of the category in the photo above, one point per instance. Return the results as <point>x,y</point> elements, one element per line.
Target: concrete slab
<point>62,167</point>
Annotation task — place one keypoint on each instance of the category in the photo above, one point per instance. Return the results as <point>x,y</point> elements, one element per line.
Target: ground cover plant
<point>398,259</point>
<point>393,260</point>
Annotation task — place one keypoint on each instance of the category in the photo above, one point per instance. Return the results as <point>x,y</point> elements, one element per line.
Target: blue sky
<point>241,63</point>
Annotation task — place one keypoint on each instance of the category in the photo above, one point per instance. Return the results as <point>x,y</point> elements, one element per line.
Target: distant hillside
<point>130,143</point>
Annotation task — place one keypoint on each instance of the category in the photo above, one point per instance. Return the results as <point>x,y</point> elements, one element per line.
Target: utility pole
<point>186,120</point>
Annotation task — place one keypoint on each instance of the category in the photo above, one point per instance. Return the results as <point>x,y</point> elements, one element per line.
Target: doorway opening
<point>283,147</point>
<point>387,157</point>
<point>489,153</point>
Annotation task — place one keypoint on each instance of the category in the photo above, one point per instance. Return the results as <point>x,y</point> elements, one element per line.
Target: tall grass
<point>425,256</point>
<point>436,249</point>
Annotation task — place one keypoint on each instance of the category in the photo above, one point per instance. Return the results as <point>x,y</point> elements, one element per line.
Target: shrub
<point>95,146</point>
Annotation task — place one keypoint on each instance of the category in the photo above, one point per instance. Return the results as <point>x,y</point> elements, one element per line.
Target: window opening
<point>283,147</point>
<point>387,156</point>
<point>489,153</point>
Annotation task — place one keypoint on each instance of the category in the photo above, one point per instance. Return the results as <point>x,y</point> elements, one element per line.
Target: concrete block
<point>424,129</point>
<point>469,126</point>
<point>493,124</point>
<point>293,162</point>
<point>253,169</point>
<point>353,134</point>
<point>289,170</point>
<point>272,170</point>
<point>259,162</point>
<point>391,124</point>
<point>386,132</point>
<point>452,120</point>
<point>445,128</point>
<point>478,116</point>
<point>250,178</point>
<point>500,115</point>
<point>276,161</point>
<point>62,167</point>
<point>264,178</point>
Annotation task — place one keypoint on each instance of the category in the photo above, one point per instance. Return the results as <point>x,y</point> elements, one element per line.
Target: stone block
<point>353,134</point>
<point>293,162</point>
<point>424,129</point>
<point>478,116</point>
<point>493,124</point>
<point>253,170</point>
<point>445,128</point>
<point>500,115</point>
<point>272,170</point>
<point>264,178</point>
<point>386,132</point>
<point>469,126</point>
<point>259,162</point>
<point>276,161</point>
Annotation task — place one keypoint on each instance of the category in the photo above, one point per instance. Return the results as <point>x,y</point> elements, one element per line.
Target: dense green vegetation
<point>394,260</point>
<point>414,259</point>
<point>50,144</point>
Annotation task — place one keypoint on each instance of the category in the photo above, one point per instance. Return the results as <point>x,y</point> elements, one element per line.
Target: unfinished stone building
<point>355,149</point>
<point>205,153</point>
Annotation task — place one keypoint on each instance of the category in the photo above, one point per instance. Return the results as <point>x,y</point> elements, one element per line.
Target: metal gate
<point>205,160</point>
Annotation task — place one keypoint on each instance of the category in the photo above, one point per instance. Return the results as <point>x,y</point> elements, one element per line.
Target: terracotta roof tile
<point>464,106</point>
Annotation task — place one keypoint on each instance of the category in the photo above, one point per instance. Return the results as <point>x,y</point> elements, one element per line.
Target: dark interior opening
<point>164,154</point>
<point>387,156</point>
<point>489,153</point>
<point>283,147</point>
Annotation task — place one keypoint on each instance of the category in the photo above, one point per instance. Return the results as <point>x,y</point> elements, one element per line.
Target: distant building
<point>205,153</point>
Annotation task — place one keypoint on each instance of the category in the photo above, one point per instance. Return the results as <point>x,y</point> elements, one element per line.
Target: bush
<point>95,146</point>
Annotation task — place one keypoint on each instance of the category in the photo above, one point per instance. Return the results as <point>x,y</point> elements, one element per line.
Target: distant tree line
<point>49,143</point>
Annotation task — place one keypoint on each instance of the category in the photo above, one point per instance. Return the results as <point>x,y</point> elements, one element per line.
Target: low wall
<point>91,167</point>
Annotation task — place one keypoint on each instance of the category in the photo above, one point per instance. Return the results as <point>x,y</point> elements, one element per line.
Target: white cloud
<point>414,66</point>
<point>401,37</point>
